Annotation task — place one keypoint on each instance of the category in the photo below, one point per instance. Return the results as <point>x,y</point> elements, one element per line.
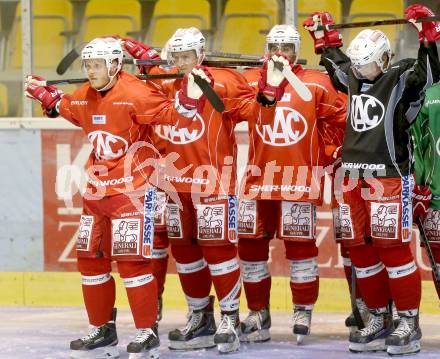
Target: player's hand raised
<point>322,38</point>
<point>428,30</point>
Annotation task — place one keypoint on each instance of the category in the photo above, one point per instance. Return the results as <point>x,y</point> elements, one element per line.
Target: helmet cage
<point>186,39</point>
<point>370,46</point>
<point>108,49</point>
<point>284,34</point>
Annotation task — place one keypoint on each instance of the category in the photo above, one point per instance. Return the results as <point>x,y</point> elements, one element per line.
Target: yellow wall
<point>63,289</point>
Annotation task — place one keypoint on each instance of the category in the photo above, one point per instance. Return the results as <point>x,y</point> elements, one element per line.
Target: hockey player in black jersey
<point>384,100</point>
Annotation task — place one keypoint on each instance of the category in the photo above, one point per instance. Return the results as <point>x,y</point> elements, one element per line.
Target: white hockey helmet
<point>107,48</point>
<point>368,48</point>
<point>187,39</point>
<point>284,34</point>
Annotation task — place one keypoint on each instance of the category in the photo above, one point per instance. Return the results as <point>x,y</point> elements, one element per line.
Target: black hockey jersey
<point>377,138</point>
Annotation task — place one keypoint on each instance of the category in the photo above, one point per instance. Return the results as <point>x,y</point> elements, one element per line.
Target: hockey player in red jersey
<point>116,111</point>
<point>159,255</point>
<point>283,186</point>
<point>376,160</point>
<point>203,232</point>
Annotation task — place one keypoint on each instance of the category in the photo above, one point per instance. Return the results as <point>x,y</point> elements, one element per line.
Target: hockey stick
<point>428,251</point>
<point>210,94</point>
<point>375,23</point>
<point>207,90</point>
<point>68,60</point>
<point>82,80</point>
<point>301,89</point>
<point>255,61</point>
<point>228,55</point>
<point>354,308</point>
<point>212,63</point>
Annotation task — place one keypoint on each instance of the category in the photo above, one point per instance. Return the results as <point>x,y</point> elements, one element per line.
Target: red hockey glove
<point>190,95</point>
<point>48,96</point>
<point>140,51</point>
<point>421,198</point>
<point>272,82</point>
<point>322,38</point>
<point>428,30</point>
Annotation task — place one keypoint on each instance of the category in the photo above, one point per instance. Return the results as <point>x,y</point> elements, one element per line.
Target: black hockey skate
<point>302,319</point>
<point>255,328</point>
<point>406,338</point>
<point>228,333</point>
<point>372,337</point>
<point>99,343</point>
<point>145,345</point>
<point>198,332</point>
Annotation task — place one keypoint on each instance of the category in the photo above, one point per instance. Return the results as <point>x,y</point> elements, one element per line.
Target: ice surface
<point>45,333</point>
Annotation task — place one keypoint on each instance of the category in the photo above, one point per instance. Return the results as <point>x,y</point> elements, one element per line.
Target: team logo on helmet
<point>184,135</point>
<point>366,112</point>
<point>288,128</point>
<point>107,146</point>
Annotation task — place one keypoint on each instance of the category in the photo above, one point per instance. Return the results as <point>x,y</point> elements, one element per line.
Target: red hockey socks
<point>193,274</point>
<point>159,260</point>
<point>304,279</point>
<point>98,287</point>
<point>254,254</point>
<point>225,274</point>
<point>141,289</point>
<point>371,276</point>
<point>404,277</point>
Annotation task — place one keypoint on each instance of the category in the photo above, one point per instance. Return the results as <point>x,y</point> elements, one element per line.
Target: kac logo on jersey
<point>366,112</point>
<point>288,128</point>
<point>107,146</point>
<point>181,136</point>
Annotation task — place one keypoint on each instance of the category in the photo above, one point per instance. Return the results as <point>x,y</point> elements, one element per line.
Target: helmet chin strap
<point>109,83</point>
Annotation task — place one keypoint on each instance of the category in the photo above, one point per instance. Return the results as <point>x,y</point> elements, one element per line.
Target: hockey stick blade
<point>301,89</point>
<point>429,253</point>
<point>69,59</point>
<point>210,94</point>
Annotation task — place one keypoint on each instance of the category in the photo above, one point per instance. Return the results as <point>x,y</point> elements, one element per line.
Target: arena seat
<point>305,9</point>
<point>245,24</point>
<point>169,15</point>
<point>50,19</point>
<point>110,17</point>
<point>374,10</point>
